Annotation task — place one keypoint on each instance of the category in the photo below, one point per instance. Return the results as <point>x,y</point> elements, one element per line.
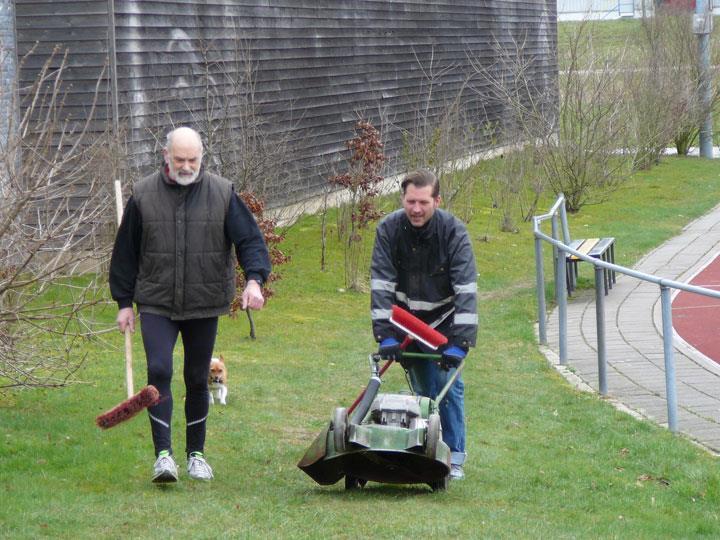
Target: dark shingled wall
<point>318,63</point>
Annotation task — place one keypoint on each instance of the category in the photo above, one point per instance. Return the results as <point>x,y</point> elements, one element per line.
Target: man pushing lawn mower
<point>173,258</point>
<point>423,262</point>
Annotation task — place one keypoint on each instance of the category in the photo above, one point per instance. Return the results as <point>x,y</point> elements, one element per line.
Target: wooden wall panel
<point>317,65</point>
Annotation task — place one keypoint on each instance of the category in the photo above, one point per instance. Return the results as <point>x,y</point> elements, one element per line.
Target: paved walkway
<point>633,320</point>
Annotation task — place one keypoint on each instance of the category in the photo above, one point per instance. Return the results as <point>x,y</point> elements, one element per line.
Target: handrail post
<point>600,325</point>
<point>554,232</point>
<point>670,389</point>
<point>560,287</point>
<point>540,288</point>
<point>560,293</point>
<point>564,222</point>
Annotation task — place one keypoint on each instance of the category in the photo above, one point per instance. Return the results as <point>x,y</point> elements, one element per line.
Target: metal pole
<point>561,299</point>
<point>702,26</point>
<point>600,325</point>
<point>564,222</point>
<point>560,293</point>
<point>670,388</point>
<point>554,229</point>
<point>540,287</point>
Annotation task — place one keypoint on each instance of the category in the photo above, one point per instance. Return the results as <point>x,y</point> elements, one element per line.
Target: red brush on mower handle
<point>414,327</point>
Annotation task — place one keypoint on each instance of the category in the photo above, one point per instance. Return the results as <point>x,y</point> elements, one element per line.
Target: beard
<point>184,178</point>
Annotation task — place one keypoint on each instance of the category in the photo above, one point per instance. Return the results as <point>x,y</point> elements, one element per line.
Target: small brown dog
<point>217,380</point>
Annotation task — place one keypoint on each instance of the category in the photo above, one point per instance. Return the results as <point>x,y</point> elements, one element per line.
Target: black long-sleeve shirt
<point>240,228</point>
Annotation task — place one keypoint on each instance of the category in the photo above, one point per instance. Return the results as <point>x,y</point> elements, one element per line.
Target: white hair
<point>183,131</point>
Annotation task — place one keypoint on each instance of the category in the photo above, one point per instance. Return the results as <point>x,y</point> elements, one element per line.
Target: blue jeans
<point>428,379</point>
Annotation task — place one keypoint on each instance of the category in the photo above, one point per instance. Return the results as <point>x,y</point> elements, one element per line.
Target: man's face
<point>184,158</point>
<point>419,204</point>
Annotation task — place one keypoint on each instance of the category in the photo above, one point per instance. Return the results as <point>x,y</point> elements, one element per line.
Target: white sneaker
<point>456,472</point>
<point>198,468</point>
<point>164,470</point>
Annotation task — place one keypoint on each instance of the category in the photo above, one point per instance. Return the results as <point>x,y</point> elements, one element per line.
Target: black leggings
<point>159,337</point>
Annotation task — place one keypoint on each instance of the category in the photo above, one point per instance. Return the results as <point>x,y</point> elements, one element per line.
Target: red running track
<point>696,318</point>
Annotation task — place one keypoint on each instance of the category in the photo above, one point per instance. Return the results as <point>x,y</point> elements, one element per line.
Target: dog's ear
<point>220,356</point>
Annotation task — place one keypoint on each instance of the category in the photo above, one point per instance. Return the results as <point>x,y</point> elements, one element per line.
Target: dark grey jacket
<point>430,271</point>
<point>173,252</point>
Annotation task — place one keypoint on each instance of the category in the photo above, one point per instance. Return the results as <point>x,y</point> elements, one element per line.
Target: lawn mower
<point>387,438</point>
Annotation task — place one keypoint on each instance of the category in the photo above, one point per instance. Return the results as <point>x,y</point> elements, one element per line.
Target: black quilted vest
<point>187,269</point>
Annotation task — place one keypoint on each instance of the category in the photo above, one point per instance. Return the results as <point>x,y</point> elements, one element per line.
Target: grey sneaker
<point>198,468</point>
<point>456,472</point>
<point>164,470</point>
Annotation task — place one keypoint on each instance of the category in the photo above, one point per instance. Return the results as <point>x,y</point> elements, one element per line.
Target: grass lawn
<point>608,37</point>
<point>545,461</point>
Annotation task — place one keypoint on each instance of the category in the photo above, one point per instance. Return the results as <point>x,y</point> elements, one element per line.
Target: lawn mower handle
<point>363,402</point>
<point>437,357</point>
<point>379,374</point>
<point>427,356</point>
<point>450,382</point>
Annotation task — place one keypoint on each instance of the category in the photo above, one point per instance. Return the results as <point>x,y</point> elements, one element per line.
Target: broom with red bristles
<point>149,395</point>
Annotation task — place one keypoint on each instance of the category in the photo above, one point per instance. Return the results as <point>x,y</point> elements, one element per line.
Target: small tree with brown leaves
<point>273,239</point>
<point>362,181</point>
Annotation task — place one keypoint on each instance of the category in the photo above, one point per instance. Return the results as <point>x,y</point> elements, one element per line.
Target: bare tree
<point>242,143</point>
<point>574,143</point>
<point>442,135</point>
<point>55,204</point>
<point>663,85</point>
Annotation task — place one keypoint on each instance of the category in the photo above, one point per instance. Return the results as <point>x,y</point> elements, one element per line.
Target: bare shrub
<point>574,145</point>
<point>663,87</point>
<point>242,144</point>
<point>506,82</point>
<point>511,182</point>
<point>55,203</point>
<point>442,136</point>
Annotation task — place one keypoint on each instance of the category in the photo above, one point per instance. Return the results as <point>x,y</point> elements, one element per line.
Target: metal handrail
<point>561,249</point>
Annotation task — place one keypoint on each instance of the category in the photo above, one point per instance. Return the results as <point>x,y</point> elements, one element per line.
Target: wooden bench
<point>600,248</point>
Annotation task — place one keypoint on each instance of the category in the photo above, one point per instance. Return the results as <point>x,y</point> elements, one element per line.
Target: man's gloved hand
<point>390,349</point>
<point>451,357</point>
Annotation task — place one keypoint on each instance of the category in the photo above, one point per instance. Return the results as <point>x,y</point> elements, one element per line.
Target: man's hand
<point>390,349</point>
<point>451,357</point>
<point>252,296</point>
<point>126,319</point>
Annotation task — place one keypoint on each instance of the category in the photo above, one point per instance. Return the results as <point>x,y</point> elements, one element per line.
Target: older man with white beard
<point>173,258</point>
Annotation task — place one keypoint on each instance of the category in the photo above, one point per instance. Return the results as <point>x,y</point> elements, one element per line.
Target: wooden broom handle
<point>118,201</point>
<point>128,362</point>
<point>128,334</point>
